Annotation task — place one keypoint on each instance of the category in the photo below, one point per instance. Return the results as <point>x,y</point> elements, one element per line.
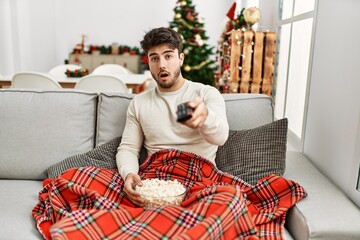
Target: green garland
<point>123,49</point>
<point>77,72</point>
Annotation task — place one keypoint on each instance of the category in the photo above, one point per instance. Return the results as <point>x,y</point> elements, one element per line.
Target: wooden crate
<point>249,56</point>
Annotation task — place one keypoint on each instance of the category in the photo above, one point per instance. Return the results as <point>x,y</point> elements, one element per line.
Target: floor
<point>291,146</point>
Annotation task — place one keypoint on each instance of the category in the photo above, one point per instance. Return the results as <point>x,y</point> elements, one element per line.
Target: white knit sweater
<point>151,121</point>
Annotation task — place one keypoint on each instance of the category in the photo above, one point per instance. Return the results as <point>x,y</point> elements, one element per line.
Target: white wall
<point>332,137</point>
<point>39,34</point>
<point>6,55</point>
<point>267,22</point>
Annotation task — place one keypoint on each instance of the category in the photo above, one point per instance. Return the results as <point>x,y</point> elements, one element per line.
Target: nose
<point>162,63</point>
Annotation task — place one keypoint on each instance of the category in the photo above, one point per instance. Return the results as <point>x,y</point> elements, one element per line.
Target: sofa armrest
<point>326,213</point>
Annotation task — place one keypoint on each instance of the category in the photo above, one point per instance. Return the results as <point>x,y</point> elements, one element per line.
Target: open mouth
<point>163,74</point>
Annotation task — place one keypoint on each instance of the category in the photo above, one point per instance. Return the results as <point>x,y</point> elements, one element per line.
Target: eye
<point>154,59</point>
<point>168,56</point>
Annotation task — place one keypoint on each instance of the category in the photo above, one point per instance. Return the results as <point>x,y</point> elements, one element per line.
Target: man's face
<point>165,64</point>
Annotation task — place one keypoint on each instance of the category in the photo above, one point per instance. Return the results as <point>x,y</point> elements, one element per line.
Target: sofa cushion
<point>18,198</point>
<point>112,109</point>
<point>102,156</point>
<point>41,128</point>
<point>255,153</point>
<point>243,111</point>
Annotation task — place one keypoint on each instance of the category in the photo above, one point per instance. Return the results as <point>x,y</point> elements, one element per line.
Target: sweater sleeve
<point>215,129</point>
<point>131,142</point>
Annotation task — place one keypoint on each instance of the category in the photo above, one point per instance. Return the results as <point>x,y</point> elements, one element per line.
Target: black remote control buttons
<point>184,112</point>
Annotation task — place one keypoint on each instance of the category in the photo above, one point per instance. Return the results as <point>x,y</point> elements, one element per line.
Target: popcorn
<point>156,192</point>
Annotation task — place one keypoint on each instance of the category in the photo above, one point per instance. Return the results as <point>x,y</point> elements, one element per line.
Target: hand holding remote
<point>193,113</point>
<point>184,112</point>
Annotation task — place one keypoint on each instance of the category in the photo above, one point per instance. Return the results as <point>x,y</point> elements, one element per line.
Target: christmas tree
<point>198,66</point>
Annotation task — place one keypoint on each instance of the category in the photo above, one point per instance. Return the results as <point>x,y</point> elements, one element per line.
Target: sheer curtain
<point>36,35</point>
<point>7,25</point>
<point>27,35</point>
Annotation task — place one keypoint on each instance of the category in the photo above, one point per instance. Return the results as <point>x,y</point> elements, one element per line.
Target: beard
<point>168,84</point>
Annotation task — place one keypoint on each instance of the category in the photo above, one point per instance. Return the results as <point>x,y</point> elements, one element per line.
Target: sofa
<point>39,128</point>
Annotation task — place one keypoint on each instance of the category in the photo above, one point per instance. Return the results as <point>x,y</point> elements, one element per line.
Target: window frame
<point>297,142</point>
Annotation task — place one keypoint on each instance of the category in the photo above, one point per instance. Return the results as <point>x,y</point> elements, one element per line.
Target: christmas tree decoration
<point>200,20</point>
<point>243,20</point>
<point>77,72</point>
<point>197,66</point>
<point>252,15</point>
<point>231,13</point>
<point>198,40</point>
<point>190,17</point>
<point>239,22</point>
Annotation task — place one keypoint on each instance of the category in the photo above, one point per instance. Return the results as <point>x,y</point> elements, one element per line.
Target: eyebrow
<point>166,51</point>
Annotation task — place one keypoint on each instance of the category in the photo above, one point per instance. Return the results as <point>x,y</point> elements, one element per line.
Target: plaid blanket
<point>88,203</point>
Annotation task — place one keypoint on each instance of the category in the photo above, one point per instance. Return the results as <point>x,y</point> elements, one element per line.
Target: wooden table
<point>132,81</point>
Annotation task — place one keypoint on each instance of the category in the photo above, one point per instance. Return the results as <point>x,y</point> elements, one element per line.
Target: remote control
<point>184,112</point>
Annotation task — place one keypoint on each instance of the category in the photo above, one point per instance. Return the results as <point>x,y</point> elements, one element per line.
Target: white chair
<point>101,83</point>
<point>34,80</point>
<point>59,71</point>
<point>111,69</point>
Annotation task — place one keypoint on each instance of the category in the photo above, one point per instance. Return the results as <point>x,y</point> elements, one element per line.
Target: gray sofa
<point>41,128</point>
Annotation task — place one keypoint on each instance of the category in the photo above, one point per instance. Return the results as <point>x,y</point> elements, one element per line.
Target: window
<point>295,20</point>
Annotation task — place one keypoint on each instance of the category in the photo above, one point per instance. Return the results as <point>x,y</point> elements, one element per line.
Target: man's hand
<point>131,181</point>
<point>199,115</point>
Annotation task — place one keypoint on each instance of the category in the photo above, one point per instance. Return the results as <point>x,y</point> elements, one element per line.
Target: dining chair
<point>60,70</point>
<point>111,69</point>
<point>101,83</point>
<point>34,80</point>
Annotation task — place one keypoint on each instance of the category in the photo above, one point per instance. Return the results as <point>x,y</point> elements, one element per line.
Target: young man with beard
<point>152,118</point>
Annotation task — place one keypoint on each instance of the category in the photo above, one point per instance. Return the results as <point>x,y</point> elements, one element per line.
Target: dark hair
<point>162,35</point>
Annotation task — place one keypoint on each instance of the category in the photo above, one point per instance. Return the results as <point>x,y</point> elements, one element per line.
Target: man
<point>151,117</point>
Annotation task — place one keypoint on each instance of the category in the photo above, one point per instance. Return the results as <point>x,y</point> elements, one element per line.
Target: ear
<point>182,56</point>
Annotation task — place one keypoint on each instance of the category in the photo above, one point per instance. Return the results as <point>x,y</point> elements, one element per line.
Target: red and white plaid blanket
<point>88,203</point>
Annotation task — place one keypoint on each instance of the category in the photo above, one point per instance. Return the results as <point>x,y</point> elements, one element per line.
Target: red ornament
<point>145,60</point>
<point>190,17</point>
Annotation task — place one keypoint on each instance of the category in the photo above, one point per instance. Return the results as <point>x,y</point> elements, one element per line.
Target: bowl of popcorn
<point>157,193</point>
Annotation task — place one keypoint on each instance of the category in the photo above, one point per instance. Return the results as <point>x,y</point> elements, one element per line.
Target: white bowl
<point>156,192</point>
<point>154,201</point>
